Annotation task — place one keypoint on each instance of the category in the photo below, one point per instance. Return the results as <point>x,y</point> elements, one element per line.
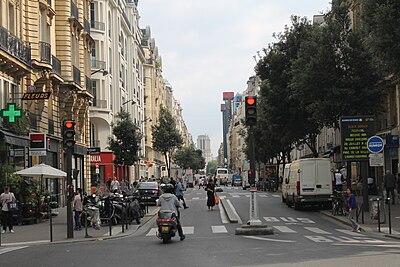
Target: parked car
<point>236,180</point>
<point>149,192</point>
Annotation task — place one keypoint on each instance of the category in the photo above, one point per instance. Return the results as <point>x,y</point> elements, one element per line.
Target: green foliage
<point>381,20</point>
<point>20,126</point>
<point>125,142</point>
<point>166,137</point>
<point>189,157</point>
<point>211,167</point>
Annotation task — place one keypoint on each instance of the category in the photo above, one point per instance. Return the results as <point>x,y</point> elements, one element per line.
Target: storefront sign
<point>36,96</point>
<point>355,132</point>
<point>93,150</point>
<point>95,158</point>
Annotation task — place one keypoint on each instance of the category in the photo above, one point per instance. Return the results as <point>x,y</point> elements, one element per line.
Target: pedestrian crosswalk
<point>190,230</point>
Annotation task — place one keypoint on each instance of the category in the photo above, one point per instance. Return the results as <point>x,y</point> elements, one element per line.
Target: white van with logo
<point>309,183</point>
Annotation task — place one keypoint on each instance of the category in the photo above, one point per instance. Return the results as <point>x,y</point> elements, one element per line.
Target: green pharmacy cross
<point>11,112</point>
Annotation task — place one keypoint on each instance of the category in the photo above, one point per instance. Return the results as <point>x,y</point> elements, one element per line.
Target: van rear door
<point>323,177</point>
<point>307,177</point>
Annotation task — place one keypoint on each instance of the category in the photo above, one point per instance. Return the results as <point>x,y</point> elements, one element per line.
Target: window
<point>11,18</point>
<point>94,51</point>
<point>92,12</point>
<point>94,89</point>
<point>109,24</point>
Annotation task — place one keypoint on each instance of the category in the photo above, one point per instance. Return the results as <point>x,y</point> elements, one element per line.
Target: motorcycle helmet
<point>168,188</point>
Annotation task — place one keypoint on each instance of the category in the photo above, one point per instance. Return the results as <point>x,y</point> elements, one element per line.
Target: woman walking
<point>352,210</point>
<point>210,194</point>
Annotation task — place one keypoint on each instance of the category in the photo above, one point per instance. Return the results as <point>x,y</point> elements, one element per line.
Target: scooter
<point>92,214</point>
<point>167,225</point>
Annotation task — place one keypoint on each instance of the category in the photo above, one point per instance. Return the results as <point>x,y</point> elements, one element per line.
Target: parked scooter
<point>167,225</point>
<point>92,215</point>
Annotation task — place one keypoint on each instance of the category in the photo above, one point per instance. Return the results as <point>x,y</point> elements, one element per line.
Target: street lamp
<point>100,70</point>
<point>131,100</point>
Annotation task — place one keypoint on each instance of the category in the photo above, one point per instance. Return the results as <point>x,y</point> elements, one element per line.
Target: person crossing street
<point>179,192</point>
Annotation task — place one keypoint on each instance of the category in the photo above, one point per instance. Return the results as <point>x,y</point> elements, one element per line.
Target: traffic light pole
<point>70,222</point>
<point>252,158</point>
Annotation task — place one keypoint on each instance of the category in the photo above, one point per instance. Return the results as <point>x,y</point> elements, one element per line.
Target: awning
<point>14,139</point>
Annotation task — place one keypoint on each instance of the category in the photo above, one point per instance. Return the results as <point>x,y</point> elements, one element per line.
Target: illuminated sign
<point>36,96</point>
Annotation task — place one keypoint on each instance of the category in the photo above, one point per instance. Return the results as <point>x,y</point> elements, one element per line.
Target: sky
<point>208,47</point>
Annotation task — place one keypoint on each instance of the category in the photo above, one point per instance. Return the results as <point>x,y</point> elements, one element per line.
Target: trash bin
<point>373,208</point>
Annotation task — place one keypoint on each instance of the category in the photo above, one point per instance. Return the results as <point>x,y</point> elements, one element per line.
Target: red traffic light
<point>69,124</point>
<point>249,172</point>
<point>251,101</point>
<point>71,187</point>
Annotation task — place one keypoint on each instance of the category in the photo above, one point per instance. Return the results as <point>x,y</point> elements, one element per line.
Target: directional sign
<point>375,144</point>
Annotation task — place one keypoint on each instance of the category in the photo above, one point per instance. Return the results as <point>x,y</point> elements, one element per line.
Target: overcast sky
<point>207,47</point>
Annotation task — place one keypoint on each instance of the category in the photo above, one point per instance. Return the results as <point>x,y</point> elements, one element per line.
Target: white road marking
<point>386,229</point>
<point>188,230</point>
<point>234,211</point>
<point>9,249</point>
<point>284,229</point>
<point>319,239</point>
<point>276,195</point>
<point>305,220</point>
<point>247,195</point>
<point>345,239</point>
<point>235,196</point>
<point>271,219</point>
<point>269,239</point>
<point>349,232</point>
<point>317,230</point>
<point>218,229</point>
<point>152,232</point>
<point>195,198</point>
<point>288,219</point>
<point>262,195</point>
<point>222,197</point>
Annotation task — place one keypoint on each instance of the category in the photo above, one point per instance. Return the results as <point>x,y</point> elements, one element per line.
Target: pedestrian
<point>114,185</point>
<point>210,194</point>
<point>78,208</point>
<point>7,215</point>
<point>389,182</point>
<point>179,192</point>
<point>173,182</point>
<point>338,180</point>
<point>352,204</point>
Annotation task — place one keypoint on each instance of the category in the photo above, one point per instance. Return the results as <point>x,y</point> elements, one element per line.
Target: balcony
<point>126,20</point>
<point>97,25</point>
<point>45,52</point>
<point>98,64</point>
<point>88,84</point>
<point>86,25</point>
<point>56,63</point>
<point>76,75</point>
<point>99,103</point>
<point>14,46</point>
<point>74,10</point>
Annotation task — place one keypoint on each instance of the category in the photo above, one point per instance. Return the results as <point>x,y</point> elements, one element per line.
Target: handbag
<point>216,199</point>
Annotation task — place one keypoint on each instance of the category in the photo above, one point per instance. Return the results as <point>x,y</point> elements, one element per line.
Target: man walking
<point>179,192</point>
<point>389,182</point>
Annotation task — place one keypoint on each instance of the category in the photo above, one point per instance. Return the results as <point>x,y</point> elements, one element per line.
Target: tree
<point>211,167</point>
<point>125,142</point>
<point>381,20</point>
<point>166,137</point>
<point>189,157</point>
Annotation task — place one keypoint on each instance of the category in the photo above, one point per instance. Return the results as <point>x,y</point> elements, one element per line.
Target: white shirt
<point>338,178</point>
<point>114,185</point>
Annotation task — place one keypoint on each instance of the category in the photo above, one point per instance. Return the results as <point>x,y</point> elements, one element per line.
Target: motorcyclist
<point>168,201</point>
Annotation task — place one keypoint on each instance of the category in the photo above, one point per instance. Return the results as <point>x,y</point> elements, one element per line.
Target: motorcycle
<point>167,225</point>
<point>92,211</point>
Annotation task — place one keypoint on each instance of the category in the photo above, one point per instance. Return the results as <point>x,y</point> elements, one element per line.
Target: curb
<point>90,239</point>
<point>254,230</point>
<point>229,212</point>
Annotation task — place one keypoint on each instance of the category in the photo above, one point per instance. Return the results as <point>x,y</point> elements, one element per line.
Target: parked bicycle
<point>339,203</point>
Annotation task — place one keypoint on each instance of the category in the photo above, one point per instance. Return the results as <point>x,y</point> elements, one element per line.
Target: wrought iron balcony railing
<point>97,25</point>
<point>14,46</point>
<point>56,63</point>
<point>45,52</point>
<point>76,75</point>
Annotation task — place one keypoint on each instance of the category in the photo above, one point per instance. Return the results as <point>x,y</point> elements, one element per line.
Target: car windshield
<point>222,171</point>
<point>148,185</point>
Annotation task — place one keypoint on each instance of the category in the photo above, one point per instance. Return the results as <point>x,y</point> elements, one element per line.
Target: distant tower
<point>204,144</point>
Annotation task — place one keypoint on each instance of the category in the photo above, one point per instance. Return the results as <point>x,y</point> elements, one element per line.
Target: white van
<point>285,185</point>
<point>309,182</point>
<point>222,176</point>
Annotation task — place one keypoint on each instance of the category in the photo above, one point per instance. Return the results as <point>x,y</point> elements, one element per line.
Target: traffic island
<point>254,230</point>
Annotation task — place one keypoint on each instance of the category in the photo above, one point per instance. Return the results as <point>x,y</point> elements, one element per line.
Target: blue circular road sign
<point>375,144</point>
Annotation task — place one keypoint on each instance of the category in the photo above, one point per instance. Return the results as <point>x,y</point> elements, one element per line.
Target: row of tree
<point>315,73</point>
<point>125,142</point>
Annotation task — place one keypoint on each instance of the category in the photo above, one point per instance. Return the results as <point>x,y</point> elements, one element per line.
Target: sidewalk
<point>370,224</point>
<point>34,234</point>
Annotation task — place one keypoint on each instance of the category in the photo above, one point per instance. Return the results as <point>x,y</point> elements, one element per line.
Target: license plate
<point>146,197</point>
<point>164,228</point>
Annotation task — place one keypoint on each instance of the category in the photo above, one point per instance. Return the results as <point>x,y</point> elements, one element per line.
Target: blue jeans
<point>78,219</point>
<point>352,218</point>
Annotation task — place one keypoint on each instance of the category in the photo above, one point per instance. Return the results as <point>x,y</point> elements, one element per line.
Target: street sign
<point>11,112</point>
<point>376,159</point>
<point>375,144</point>
<point>93,150</point>
<point>37,152</point>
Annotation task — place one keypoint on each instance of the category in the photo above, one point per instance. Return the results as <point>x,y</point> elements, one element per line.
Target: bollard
<point>379,217</point>
<point>51,223</point>
<point>390,219</point>
<point>123,216</point>
<point>129,218</point>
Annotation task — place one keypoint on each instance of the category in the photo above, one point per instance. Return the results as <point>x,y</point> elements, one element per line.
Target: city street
<point>299,237</point>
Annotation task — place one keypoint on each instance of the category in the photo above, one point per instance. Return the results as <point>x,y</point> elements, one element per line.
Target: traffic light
<point>251,177</point>
<point>68,133</point>
<point>251,110</point>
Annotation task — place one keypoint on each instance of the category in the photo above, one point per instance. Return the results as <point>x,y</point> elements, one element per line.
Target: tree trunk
<point>167,164</point>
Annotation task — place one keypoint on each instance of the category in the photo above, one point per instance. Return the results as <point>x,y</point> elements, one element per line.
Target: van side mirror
<point>286,180</point>
<point>299,171</point>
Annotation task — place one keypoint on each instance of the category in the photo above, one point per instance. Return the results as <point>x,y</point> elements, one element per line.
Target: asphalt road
<point>301,238</point>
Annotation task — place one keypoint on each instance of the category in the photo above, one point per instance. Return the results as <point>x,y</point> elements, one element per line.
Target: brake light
<point>298,188</point>
<point>161,220</point>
